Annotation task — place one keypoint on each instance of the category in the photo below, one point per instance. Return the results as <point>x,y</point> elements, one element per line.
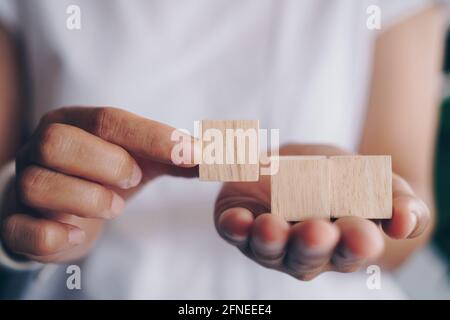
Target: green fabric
<point>442,182</point>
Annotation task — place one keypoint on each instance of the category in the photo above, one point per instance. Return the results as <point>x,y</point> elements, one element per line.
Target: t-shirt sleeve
<point>9,15</point>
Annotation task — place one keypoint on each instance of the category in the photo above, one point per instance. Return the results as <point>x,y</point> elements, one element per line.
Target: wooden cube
<point>361,186</point>
<point>230,150</point>
<point>300,188</point>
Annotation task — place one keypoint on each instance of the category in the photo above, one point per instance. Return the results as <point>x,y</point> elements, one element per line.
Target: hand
<point>75,173</point>
<point>309,248</point>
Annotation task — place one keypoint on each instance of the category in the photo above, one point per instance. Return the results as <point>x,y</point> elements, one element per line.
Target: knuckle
<point>103,125</point>
<point>32,182</point>
<point>152,143</point>
<point>52,143</point>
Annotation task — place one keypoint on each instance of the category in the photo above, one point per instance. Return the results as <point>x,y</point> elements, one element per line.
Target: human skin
<point>309,248</point>
<point>401,121</point>
<point>66,190</point>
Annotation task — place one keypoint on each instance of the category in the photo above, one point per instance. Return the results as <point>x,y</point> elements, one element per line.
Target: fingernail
<point>238,227</point>
<point>269,248</point>
<point>117,205</point>
<point>76,236</point>
<point>134,180</point>
<point>311,251</point>
<point>234,237</point>
<point>413,224</point>
<point>136,176</point>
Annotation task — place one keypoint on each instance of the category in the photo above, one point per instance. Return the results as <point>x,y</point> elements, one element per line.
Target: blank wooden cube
<point>300,188</point>
<point>230,150</point>
<point>361,186</point>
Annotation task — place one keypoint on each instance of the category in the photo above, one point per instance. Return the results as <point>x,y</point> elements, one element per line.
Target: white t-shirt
<point>302,66</point>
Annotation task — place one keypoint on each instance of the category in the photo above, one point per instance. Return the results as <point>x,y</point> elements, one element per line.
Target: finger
<point>48,190</point>
<point>27,235</point>
<point>234,225</point>
<point>311,245</point>
<point>143,137</point>
<point>268,239</point>
<point>410,215</point>
<point>75,152</point>
<point>250,195</point>
<point>361,241</point>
